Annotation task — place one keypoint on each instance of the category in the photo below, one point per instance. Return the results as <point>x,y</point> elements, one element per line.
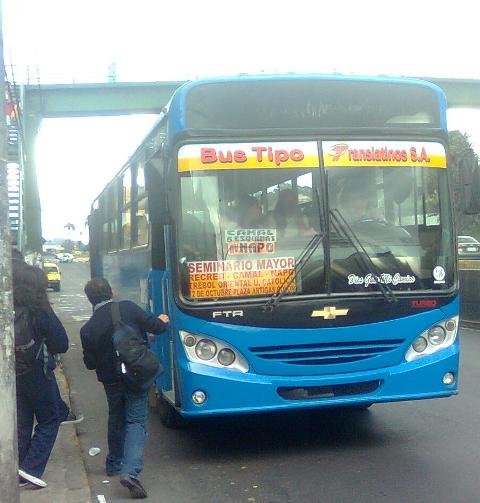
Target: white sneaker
<point>72,418</point>
<point>30,478</point>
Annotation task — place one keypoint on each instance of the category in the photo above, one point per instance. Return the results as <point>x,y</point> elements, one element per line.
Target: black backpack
<point>139,367</point>
<point>24,341</point>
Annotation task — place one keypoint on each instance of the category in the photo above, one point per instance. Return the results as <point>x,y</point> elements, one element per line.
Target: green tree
<point>459,147</point>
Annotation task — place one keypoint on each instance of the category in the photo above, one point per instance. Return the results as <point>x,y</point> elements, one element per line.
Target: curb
<point>72,433</point>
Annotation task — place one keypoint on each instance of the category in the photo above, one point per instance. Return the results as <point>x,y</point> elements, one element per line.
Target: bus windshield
<point>243,229</point>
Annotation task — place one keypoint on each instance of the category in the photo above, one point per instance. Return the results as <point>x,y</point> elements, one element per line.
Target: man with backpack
<point>115,345</point>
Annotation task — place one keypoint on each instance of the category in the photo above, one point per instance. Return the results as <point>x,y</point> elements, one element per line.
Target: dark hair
<point>245,203</point>
<point>29,286</point>
<point>287,197</point>
<point>98,290</point>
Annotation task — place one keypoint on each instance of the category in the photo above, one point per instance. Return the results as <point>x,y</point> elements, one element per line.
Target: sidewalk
<point>65,474</point>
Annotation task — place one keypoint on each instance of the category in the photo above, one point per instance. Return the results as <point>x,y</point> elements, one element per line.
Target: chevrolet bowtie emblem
<point>329,313</point>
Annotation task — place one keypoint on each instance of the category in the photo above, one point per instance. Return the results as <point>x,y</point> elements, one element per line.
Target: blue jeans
<point>38,397</point>
<point>127,416</point>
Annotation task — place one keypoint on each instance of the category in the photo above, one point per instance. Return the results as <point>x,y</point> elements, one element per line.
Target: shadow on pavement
<point>275,433</point>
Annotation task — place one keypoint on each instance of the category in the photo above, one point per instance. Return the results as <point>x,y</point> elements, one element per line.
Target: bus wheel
<point>169,417</point>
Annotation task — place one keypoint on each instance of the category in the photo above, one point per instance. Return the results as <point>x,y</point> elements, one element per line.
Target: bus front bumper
<point>230,392</point>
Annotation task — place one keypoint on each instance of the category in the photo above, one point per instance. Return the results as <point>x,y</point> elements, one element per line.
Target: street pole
<point>8,425</point>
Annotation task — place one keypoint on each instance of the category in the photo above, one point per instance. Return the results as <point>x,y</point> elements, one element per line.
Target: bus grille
<point>326,353</point>
<point>335,390</point>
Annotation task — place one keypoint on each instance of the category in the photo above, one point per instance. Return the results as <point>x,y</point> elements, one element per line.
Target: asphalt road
<point>426,451</point>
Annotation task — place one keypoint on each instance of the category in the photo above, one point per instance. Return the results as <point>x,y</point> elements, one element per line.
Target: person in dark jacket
<point>127,407</point>
<point>18,261</point>
<point>37,389</point>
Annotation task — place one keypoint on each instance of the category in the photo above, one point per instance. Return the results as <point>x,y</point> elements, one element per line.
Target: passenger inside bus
<point>287,216</point>
<point>249,210</point>
<point>357,200</point>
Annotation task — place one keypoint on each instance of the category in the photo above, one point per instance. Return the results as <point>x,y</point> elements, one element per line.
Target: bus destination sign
<point>248,156</point>
<point>383,153</point>
<point>235,278</point>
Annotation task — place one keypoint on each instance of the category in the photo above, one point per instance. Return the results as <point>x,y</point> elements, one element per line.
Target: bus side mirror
<point>470,180</point>
<point>158,193</point>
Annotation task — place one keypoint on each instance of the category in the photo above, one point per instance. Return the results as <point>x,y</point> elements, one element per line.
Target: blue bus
<point>298,231</point>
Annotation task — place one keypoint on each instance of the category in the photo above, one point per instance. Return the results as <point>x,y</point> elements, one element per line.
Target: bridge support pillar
<point>32,208</point>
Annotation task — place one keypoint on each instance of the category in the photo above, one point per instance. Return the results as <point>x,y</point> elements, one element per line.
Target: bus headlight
<point>190,340</point>
<point>212,352</point>
<point>436,335</point>
<point>226,357</point>
<point>205,349</point>
<point>420,344</point>
<point>439,336</point>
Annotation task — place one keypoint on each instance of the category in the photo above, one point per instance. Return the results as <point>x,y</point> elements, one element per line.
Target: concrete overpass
<point>77,100</point>
<point>90,100</point>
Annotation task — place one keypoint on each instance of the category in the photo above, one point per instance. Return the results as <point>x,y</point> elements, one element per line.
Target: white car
<point>65,257</point>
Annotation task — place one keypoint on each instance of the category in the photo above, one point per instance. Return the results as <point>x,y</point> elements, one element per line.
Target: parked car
<point>65,257</point>
<point>49,257</point>
<point>52,272</point>
<point>468,246</point>
<point>82,258</point>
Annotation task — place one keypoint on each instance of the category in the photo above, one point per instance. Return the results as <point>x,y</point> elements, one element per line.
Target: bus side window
<point>143,224</point>
<point>126,210</point>
<point>155,214</point>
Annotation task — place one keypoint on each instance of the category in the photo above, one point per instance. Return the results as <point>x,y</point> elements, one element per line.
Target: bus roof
<point>309,101</point>
<point>184,88</point>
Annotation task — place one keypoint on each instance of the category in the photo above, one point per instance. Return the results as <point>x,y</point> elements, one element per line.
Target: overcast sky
<point>60,41</point>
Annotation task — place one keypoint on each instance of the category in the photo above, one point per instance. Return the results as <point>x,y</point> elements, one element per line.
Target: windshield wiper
<point>324,225</point>
<point>343,228</point>
<point>304,257</point>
